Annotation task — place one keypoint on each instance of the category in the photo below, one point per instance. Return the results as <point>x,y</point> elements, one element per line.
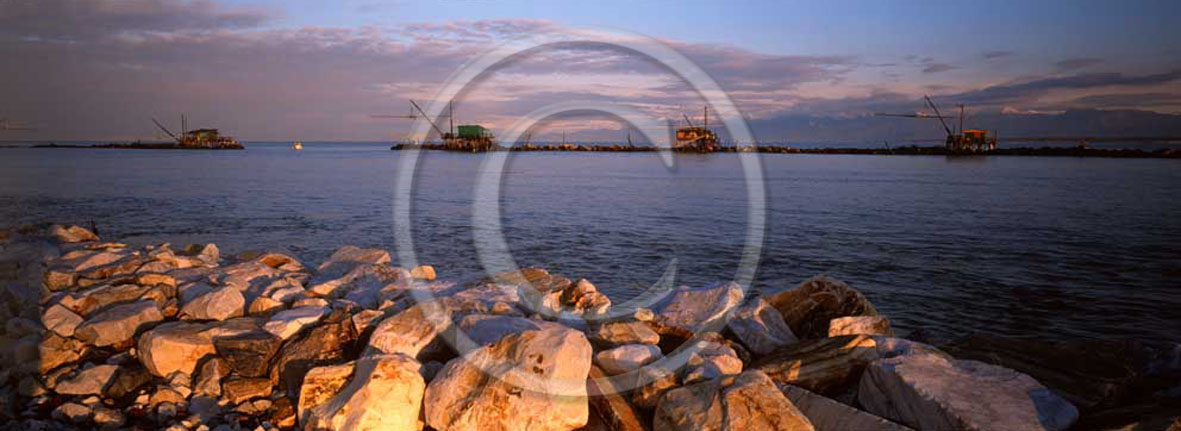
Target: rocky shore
<point>100,335</point>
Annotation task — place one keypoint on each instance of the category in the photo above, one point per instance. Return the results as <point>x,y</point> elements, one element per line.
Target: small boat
<point>297,145</point>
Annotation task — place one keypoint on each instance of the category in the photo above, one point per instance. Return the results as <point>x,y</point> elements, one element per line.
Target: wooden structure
<point>200,138</point>
<point>958,141</point>
<point>694,139</point>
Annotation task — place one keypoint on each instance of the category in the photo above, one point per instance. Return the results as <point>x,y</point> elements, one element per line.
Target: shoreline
<point>102,335</point>
<point>774,149</point>
<point>912,150</point>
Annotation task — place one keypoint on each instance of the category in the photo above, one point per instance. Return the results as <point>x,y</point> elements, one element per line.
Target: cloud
<point>1125,100</point>
<point>993,55</point>
<point>1026,90</point>
<point>101,68</point>
<point>938,68</point>
<point>74,20</point>
<point>1077,63</point>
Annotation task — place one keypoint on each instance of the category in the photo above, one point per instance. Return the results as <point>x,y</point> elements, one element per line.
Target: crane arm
<point>944,123</point>
<point>165,129</point>
<point>428,119</point>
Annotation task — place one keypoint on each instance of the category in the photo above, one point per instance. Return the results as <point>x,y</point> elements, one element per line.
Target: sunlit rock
<point>627,358</point>
<point>179,346</point>
<point>749,401</point>
<point>533,380</point>
<point>219,304</point>
<point>822,365</point>
<point>71,233</point>
<point>119,324</point>
<point>289,322</point>
<point>760,327</point>
<point>620,333</point>
<point>859,325</point>
<point>90,381</point>
<point>380,392</point>
<point>688,310</point>
<point>60,320</point>
<point>412,330</point>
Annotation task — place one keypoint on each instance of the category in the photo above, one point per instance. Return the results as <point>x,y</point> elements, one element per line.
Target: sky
<point>313,70</point>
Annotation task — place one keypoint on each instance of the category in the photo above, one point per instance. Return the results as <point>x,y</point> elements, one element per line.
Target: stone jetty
<point>101,335</point>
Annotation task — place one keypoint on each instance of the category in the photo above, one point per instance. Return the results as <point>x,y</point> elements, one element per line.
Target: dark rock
<point>210,373</point>
<point>248,354</point>
<point>238,390</point>
<point>608,403</point>
<point>328,344</point>
<point>1088,373</point>
<point>128,380</point>
<point>824,366</point>
<point>810,307</point>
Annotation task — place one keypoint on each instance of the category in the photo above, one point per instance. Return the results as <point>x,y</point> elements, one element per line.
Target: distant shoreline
<point>897,151</point>
<point>910,150</point>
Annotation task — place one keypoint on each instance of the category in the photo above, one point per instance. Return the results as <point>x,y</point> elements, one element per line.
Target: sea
<point>1048,248</point>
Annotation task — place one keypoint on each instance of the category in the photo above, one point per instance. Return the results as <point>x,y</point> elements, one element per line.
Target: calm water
<point>1038,247</point>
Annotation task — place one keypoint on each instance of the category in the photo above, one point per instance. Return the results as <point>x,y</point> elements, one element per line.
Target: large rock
<point>860,325</point>
<point>709,357</point>
<point>749,401</point>
<point>99,297</point>
<point>931,392</point>
<point>760,327</point>
<point>60,320</point>
<point>179,346</point>
<point>129,379</point>
<point>363,280</point>
<point>412,330</point>
<point>219,304</point>
<point>380,392</point>
<point>54,351</point>
<point>627,358</point>
<point>556,297</point>
<point>90,381</point>
<point>248,354</point>
<point>810,307</point>
<point>289,322</point>
<point>207,381</point>
<point>328,344</point>
<point>119,324</point>
<point>825,365</point>
<point>829,415</point>
<point>71,233</point>
<point>608,403</point>
<point>237,390</point>
<point>349,256</point>
<point>484,329</point>
<point>687,310</point>
<point>249,277</point>
<point>620,333</point>
<point>534,380</point>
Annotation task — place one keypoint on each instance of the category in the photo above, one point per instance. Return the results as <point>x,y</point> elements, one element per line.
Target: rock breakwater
<point>100,335</point>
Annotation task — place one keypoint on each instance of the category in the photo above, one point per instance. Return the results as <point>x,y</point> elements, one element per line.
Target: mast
<point>706,117</point>
<point>451,116</point>
<point>961,118</point>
